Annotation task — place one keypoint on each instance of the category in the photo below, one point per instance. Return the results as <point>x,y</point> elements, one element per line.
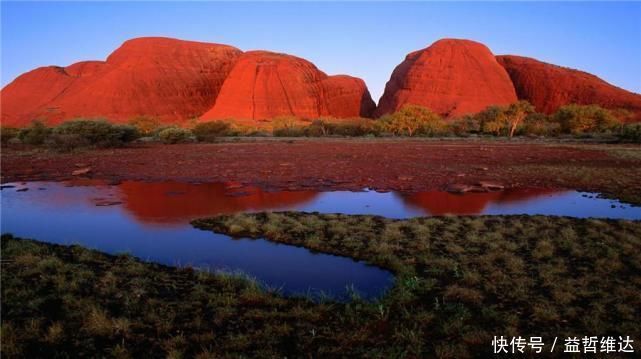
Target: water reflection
<point>438,203</point>
<point>151,221</point>
<point>175,202</point>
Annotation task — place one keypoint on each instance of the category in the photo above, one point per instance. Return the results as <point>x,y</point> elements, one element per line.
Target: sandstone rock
<point>172,79</point>
<point>264,85</point>
<point>451,77</point>
<point>549,87</point>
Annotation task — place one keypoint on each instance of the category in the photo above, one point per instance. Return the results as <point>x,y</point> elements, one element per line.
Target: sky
<point>363,39</point>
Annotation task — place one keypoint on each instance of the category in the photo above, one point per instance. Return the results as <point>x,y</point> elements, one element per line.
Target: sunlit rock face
<point>171,79</point>
<point>264,85</point>
<point>549,87</point>
<point>451,77</point>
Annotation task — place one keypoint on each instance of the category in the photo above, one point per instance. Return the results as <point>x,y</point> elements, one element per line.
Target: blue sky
<point>357,38</point>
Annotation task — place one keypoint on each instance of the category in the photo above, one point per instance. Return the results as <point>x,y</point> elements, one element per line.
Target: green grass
<point>460,281</point>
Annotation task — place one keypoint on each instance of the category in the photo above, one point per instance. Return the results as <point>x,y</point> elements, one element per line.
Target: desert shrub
<point>7,134</point>
<point>412,120</point>
<point>578,119</point>
<point>623,115</point>
<point>66,142</point>
<point>354,127</point>
<point>172,135</point>
<point>35,134</point>
<point>631,132</point>
<point>539,124</point>
<point>464,126</point>
<point>493,121</point>
<point>146,125</point>
<point>209,131</point>
<point>319,127</point>
<point>97,133</point>
<point>286,127</point>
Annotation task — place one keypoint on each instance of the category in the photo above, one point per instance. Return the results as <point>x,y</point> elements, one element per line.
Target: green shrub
<point>631,132</point>
<point>412,120</point>
<point>146,125</point>
<point>97,133</point>
<point>7,134</point>
<point>209,131</point>
<point>36,134</point>
<point>172,135</point>
<point>578,119</point>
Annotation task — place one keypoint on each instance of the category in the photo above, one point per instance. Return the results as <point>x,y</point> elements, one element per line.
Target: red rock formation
<point>263,85</point>
<point>451,77</point>
<point>549,87</point>
<point>172,79</point>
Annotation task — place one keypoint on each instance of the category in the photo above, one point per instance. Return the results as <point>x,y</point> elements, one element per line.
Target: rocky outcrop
<point>264,85</point>
<point>549,87</point>
<point>172,79</point>
<point>451,77</point>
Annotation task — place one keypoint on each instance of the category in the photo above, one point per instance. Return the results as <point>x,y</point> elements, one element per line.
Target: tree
<point>413,119</point>
<point>581,118</point>
<point>516,113</point>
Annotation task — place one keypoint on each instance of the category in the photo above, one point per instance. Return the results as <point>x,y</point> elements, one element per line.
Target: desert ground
<point>351,164</point>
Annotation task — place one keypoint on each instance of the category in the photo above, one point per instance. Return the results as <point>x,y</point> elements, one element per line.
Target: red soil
<point>172,79</point>
<point>264,85</point>
<point>403,165</point>
<point>451,77</point>
<point>549,87</point>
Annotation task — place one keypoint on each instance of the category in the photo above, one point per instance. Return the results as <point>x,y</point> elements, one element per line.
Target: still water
<point>151,221</point>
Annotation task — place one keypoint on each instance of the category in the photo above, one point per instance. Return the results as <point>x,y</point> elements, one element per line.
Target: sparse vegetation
<point>631,132</point>
<point>35,134</point>
<point>95,133</point>
<point>578,119</point>
<point>460,280</point>
<point>173,135</point>
<point>210,131</point>
<point>146,125</point>
<point>8,134</point>
<point>413,120</point>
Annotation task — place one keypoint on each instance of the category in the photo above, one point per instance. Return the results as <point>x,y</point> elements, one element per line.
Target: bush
<point>539,124</point>
<point>464,126</point>
<point>146,125</point>
<point>98,133</point>
<point>354,127</point>
<point>413,120</point>
<point>631,132</point>
<point>578,119</point>
<point>209,131</point>
<point>36,134</point>
<point>66,142</point>
<point>7,134</point>
<point>286,127</point>
<point>172,135</point>
<point>493,121</point>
